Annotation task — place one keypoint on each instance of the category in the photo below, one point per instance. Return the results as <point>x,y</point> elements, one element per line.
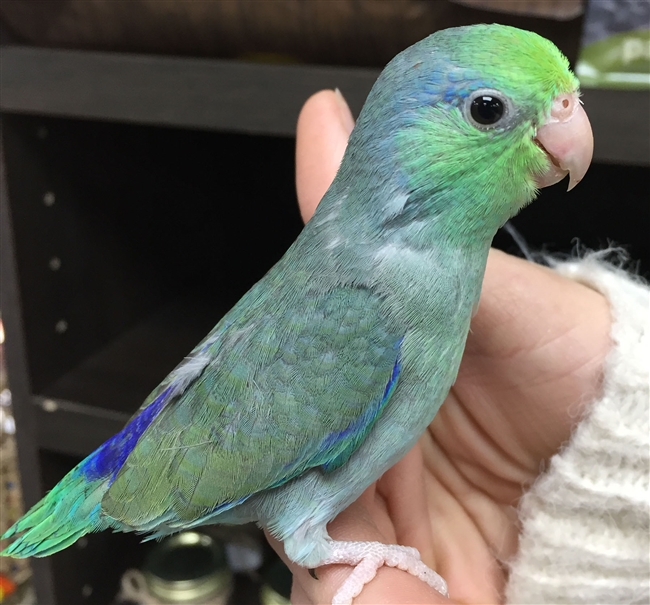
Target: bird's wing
<point>282,392</point>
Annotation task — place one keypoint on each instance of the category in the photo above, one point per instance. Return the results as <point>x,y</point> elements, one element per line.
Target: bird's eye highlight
<point>486,109</point>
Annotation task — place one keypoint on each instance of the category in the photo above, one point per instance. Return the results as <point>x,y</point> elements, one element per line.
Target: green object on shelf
<point>619,61</point>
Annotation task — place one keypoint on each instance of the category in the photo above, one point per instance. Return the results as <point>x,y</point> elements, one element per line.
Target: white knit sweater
<point>585,522</point>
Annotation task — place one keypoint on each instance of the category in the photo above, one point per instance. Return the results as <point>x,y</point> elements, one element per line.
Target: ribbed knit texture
<point>585,523</point>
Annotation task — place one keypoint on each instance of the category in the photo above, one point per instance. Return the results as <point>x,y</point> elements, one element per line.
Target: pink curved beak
<point>567,139</point>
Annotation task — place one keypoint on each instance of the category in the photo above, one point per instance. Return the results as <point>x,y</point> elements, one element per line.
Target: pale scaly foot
<point>368,557</point>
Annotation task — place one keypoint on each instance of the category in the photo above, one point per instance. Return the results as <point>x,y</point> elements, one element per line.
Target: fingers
<point>541,338</point>
<point>324,126</point>
<point>402,489</point>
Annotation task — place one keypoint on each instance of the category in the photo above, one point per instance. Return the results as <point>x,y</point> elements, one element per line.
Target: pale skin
<point>533,363</point>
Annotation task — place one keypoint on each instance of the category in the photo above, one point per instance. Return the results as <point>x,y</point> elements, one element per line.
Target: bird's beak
<point>567,139</point>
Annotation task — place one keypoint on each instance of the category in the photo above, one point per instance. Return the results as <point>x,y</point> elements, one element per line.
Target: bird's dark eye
<point>487,110</point>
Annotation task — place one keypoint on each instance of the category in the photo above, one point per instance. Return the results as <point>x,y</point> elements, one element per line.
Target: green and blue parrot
<point>329,369</point>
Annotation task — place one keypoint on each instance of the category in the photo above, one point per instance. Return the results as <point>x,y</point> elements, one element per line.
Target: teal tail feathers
<point>71,510</point>
<point>74,507</point>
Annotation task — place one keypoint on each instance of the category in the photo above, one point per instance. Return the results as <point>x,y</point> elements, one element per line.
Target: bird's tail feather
<point>74,507</point>
<point>71,510</point>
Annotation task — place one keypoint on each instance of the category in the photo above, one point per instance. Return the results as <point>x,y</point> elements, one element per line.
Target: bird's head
<point>477,119</point>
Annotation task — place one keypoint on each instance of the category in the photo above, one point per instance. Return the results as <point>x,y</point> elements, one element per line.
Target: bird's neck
<point>370,211</point>
<point>405,258</point>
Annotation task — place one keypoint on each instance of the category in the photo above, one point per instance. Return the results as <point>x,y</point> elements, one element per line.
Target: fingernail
<point>346,115</point>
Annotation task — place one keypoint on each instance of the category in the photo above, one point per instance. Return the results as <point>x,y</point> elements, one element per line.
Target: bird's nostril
<point>563,107</point>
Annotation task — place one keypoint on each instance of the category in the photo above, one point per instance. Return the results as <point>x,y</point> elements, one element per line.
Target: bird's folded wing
<point>276,393</point>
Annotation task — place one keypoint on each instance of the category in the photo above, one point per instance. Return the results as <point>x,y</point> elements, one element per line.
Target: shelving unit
<point>142,195</point>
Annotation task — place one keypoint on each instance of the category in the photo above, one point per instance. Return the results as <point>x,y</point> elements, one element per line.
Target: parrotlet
<point>328,370</point>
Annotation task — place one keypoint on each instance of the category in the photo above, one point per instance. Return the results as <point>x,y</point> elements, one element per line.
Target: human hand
<point>533,359</point>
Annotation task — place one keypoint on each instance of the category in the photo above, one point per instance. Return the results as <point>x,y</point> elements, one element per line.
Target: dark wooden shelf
<point>236,96</point>
<point>207,94</point>
<point>620,120</point>
<point>93,401</point>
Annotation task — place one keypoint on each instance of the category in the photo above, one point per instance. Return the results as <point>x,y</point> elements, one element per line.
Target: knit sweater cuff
<point>585,522</point>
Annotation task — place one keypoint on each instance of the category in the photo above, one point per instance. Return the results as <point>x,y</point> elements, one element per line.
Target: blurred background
<point>147,181</point>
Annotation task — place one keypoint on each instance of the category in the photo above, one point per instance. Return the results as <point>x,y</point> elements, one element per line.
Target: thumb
<point>324,125</point>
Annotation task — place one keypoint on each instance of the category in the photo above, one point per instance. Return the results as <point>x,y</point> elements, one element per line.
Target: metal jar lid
<point>189,567</point>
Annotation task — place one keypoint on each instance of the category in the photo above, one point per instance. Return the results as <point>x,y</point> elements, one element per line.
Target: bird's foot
<point>368,557</point>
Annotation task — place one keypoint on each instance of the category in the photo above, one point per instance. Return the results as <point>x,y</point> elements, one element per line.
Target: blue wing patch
<point>108,459</point>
